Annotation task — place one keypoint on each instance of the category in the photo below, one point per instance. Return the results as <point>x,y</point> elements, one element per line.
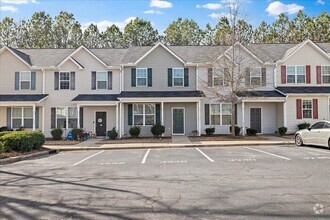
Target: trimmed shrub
<point>303,125</point>
<point>251,132</point>
<point>4,132</point>
<point>282,130</point>
<point>23,141</point>
<point>157,130</point>
<point>57,133</point>
<point>135,131</point>
<point>76,133</point>
<point>4,128</point>
<point>237,130</point>
<point>209,131</point>
<point>113,134</point>
<point>2,147</point>
<point>20,129</point>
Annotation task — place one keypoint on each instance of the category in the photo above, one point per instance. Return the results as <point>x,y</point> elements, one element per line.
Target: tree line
<point>64,31</point>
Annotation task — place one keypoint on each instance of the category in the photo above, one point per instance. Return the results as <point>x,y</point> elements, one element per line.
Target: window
<point>66,117</point>
<point>307,108</point>
<point>25,80</point>
<point>178,77</point>
<point>220,114</point>
<point>144,114</point>
<point>218,77</point>
<point>326,74</point>
<point>64,80</point>
<point>295,74</point>
<point>101,80</point>
<point>141,77</point>
<point>22,117</point>
<point>255,76</point>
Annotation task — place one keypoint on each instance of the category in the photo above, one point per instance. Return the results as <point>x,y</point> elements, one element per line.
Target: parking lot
<point>254,182</point>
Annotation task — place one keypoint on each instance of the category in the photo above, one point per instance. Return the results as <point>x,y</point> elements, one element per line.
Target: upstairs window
<point>255,76</point>
<point>64,80</point>
<point>218,77</point>
<point>296,74</point>
<point>25,80</point>
<point>141,77</point>
<point>101,80</point>
<point>326,74</point>
<point>178,77</point>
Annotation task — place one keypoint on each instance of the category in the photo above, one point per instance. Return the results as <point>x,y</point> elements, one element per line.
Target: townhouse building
<point>99,89</point>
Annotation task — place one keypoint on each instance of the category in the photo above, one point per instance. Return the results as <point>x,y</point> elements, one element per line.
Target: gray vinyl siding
<point>159,60</point>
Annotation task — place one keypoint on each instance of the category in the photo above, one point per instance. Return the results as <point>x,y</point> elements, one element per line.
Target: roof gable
<point>20,55</point>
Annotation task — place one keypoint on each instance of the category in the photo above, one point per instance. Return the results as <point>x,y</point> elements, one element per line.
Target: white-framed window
<point>295,74</point>
<point>66,117</point>
<point>22,116</point>
<point>178,77</point>
<point>25,80</point>
<point>325,74</point>
<point>218,77</point>
<point>101,80</point>
<point>144,114</point>
<point>255,76</point>
<point>141,77</point>
<point>64,80</point>
<point>220,114</point>
<point>307,108</point>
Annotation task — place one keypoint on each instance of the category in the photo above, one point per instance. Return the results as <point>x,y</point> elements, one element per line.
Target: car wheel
<point>299,140</point>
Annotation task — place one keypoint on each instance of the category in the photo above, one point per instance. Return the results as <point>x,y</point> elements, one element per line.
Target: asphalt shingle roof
<point>161,94</point>
<point>306,89</point>
<point>22,98</point>
<point>22,55</point>
<point>273,93</point>
<point>96,97</point>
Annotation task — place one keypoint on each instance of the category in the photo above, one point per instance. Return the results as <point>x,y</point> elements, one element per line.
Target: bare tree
<point>232,70</point>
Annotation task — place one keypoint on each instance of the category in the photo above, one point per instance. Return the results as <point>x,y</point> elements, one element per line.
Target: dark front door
<point>178,120</point>
<point>255,119</point>
<point>101,123</point>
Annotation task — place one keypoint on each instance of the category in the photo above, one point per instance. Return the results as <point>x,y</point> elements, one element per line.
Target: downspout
<point>43,80</point>
<point>275,76</point>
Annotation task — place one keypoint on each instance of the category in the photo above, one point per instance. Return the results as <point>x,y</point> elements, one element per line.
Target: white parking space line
<point>145,157</point>
<point>88,158</point>
<point>316,150</point>
<point>275,155</point>
<point>207,157</point>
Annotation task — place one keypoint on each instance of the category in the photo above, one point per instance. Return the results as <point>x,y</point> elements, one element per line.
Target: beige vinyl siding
<point>159,60</point>
<point>323,110</point>
<point>9,64</point>
<point>307,55</point>
<point>3,116</point>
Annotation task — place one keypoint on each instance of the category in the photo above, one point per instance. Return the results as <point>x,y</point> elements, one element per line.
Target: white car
<point>317,134</point>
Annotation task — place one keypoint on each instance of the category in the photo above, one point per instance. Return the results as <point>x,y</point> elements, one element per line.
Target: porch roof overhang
<point>262,96</point>
<point>323,90</point>
<point>95,98</point>
<point>21,100</point>
<point>161,96</point>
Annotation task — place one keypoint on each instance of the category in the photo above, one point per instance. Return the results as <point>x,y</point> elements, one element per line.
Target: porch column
<point>121,115</point>
<point>43,120</point>
<point>34,117</point>
<point>199,121</point>
<point>285,117</point>
<point>117,116</point>
<point>78,115</point>
<point>243,118</point>
<point>162,112</point>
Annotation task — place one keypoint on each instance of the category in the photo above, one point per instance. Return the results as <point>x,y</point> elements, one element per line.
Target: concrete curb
<point>27,157</point>
<point>155,146</point>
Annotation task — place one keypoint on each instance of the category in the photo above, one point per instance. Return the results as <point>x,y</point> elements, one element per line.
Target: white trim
<point>117,117</point>
<point>78,116</point>
<point>184,120</point>
<point>177,68</point>
<point>243,118</point>
<point>301,46</point>
<point>22,116</point>
<point>67,116</point>
<point>143,114</point>
<point>324,74</point>
<point>43,119</point>
<point>43,80</point>
<point>20,80</point>
<point>59,80</point>
<point>261,114</point>
<point>295,74</point>
<point>153,48</point>
<point>136,77</point>
<point>199,118</point>
<point>106,121</point>
<point>162,112</point>
<point>34,117</point>
<point>302,108</point>
<point>7,48</point>
<point>106,81</point>
<point>197,77</point>
<point>285,114</point>
<point>260,75</point>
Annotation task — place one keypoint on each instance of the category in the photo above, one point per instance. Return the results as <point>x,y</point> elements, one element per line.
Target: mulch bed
<point>129,140</point>
<point>16,154</point>
<point>50,141</point>
<point>288,136</point>
<point>224,138</point>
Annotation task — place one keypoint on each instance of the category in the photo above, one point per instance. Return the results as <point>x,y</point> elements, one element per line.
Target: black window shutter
<point>158,114</point>
<point>130,114</point>
<point>8,117</point>
<point>72,80</point>
<point>247,76</point>
<point>226,76</point>
<point>33,80</point>
<point>93,80</point>
<point>149,77</point>
<point>169,77</point>
<point>16,80</point>
<point>109,80</point>
<point>133,77</point>
<point>81,117</point>
<point>53,118</point>
<point>56,80</point>
<point>209,77</point>
<point>37,118</point>
<point>263,76</point>
<point>186,77</point>
<point>207,114</point>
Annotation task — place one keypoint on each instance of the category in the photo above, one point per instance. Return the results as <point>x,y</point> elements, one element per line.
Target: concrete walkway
<point>183,141</point>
